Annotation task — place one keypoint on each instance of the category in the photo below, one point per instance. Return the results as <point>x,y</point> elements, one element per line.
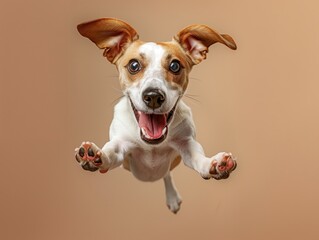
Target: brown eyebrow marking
<point>175,52</point>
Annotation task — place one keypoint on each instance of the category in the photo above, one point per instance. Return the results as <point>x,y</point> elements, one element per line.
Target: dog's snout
<point>153,98</point>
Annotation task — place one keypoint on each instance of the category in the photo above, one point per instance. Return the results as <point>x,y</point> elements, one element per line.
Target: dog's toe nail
<point>213,171</point>
<point>86,166</point>
<point>81,152</point>
<point>103,170</point>
<point>235,166</point>
<point>206,178</point>
<point>77,159</point>
<point>225,175</point>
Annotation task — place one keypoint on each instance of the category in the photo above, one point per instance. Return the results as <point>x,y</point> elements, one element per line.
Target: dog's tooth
<point>145,134</point>
<point>164,131</point>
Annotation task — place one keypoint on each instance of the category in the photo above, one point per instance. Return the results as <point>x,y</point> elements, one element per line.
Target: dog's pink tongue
<point>153,124</point>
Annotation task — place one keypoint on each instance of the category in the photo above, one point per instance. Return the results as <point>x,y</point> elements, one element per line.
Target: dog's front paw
<point>90,157</point>
<point>222,165</point>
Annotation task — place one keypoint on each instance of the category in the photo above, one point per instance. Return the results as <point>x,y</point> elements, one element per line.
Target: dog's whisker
<point>193,95</point>
<point>188,93</point>
<point>193,78</point>
<point>192,98</point>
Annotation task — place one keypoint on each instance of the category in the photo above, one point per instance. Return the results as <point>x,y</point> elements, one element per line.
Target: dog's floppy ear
<point>110,34</point>
<point>196,39</point>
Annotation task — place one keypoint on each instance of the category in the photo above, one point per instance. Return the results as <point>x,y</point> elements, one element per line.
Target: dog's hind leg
<point>173,199</point>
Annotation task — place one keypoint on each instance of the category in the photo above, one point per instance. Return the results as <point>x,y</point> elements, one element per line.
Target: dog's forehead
<point>157,52</point>
<point>151,48</point>
<point>152,53</point>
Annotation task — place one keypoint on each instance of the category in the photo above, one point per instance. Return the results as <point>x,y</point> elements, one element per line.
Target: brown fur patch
<point>174,51</point>
<point>126,165</point>
<point>126,78</point>
<point>175,162</point>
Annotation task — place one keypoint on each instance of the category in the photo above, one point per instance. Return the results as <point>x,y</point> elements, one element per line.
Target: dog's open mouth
<point>153,127</point>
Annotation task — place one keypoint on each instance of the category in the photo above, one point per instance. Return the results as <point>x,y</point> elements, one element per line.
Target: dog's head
<point>154,76</point>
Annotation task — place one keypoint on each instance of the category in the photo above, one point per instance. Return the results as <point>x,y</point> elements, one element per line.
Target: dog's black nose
<point>153,98</point>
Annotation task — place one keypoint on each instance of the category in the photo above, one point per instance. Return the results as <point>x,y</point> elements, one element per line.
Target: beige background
<point>259,102</point>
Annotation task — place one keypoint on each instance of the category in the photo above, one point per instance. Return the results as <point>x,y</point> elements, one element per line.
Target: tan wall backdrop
<point>259,102</point>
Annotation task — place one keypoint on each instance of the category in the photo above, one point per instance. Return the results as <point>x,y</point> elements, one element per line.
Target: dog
<point>153,130</point>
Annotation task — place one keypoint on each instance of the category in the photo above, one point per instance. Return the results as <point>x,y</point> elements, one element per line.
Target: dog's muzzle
<point>153,127</point>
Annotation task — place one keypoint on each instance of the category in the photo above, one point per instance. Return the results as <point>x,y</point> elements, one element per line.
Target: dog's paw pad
<point>89,156</point>
<point>222,165</point>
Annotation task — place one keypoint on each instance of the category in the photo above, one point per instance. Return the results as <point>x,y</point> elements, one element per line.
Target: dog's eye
<point>134,66</point>
<point>175,66</point>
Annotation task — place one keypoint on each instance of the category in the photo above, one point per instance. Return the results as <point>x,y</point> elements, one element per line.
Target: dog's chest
<point>151,165</point>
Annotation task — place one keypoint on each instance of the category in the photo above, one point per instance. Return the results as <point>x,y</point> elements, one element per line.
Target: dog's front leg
<point>218,166</point>
<point>92,158</point>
